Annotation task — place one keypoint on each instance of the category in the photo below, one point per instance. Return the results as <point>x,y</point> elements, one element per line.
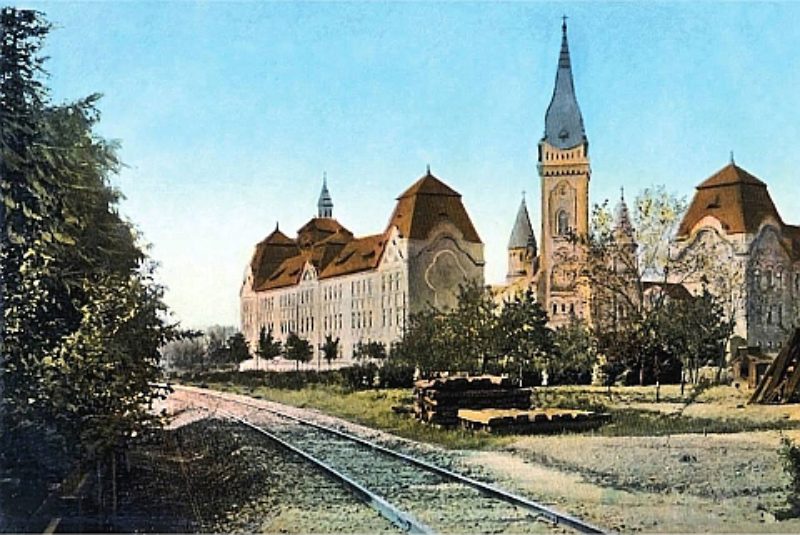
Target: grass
<point>372,408</point>
<point>633,410</point>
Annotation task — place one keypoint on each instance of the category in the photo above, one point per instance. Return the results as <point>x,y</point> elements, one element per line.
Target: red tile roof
<point>360,254</point>
<point>333,251</point>
<point>426,203</point>
<point>733,196</point>
<point>269,254</point>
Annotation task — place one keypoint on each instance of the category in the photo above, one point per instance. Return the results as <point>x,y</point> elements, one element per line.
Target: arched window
<point>562,223</point>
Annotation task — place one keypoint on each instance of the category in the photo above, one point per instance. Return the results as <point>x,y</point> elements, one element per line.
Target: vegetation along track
<point>414,494</point>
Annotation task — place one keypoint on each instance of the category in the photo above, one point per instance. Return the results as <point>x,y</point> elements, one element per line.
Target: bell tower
<point>564,171</point>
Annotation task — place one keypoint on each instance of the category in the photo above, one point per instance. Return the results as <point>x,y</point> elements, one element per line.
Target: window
<point>562,223</point>
<point>555,309</point>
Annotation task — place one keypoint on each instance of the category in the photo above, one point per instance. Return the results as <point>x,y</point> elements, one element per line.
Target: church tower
<point>563,165</point>
<point>521,246</point>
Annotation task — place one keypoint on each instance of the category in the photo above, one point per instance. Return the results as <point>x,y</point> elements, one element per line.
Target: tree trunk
<point>114,483</point>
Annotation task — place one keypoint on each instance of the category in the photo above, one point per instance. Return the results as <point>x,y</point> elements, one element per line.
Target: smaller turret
<point>623,228</point>
<point>325,203</point>
<point>521,245</point>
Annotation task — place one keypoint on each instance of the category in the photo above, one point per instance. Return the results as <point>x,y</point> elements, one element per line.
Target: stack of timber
<point>780,381</point>
<point>530,421</point>
<point>438,401</point>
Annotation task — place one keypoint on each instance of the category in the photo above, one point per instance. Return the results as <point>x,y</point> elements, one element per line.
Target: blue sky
<point>228,113</point>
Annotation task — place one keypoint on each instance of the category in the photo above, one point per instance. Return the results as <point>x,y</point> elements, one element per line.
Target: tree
<point>238,348</point>
<point>298,350</point>
<point>576,354</point>
<point>371,350</point>
<point>424,343</point>
<point>471,328</point>
<point>633,276</point>
<point>82,317</point>
<point>183,354</point>
<point>522,335</point>
<point>268,348</point>
<point>330,349</point>
<point>698,330</point>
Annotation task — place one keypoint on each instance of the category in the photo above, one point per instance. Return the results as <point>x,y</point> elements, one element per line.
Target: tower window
<point>562,223</point>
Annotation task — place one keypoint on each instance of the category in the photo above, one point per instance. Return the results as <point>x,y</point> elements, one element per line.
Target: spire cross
<point>622,192</point>
<point>732,162</point>
<point>324,178</point>
<point>564,22</point>
<point>428,169</point>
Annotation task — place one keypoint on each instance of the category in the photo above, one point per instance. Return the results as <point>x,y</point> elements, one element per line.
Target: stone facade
<point>327,282</point>
<point>738,246</point>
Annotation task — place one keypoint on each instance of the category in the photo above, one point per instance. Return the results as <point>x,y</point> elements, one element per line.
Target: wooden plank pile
<point>530,421</point>
<point>438,401</point>
<point>780,381</point>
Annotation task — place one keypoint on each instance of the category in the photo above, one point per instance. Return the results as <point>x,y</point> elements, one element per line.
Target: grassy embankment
<point>633,409</point>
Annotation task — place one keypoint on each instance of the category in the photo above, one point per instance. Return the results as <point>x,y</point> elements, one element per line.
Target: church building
<point>325,281</point>
<point>752,257</point>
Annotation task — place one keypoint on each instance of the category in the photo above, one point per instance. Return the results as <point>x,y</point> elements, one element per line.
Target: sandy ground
<point>686,483</point>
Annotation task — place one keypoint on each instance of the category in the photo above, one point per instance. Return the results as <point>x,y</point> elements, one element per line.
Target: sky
<point>228,113</point>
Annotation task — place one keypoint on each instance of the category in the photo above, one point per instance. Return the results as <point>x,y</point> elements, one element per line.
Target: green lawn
<point>372,408</point>
<point>633,410</point>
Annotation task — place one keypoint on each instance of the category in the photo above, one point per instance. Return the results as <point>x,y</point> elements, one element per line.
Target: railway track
<point>415,495</point>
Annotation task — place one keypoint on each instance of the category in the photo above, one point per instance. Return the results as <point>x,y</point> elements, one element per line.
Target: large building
<point>752,258</point>
<point>326,281</point>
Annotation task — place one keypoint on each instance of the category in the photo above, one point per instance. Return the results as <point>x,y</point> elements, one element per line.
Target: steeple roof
<point>563,123</point>
<point>522,234</point>
<point>325,203</point>
<point>622,219</point>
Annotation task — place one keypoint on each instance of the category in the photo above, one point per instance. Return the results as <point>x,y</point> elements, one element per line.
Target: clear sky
<point>229,113</point>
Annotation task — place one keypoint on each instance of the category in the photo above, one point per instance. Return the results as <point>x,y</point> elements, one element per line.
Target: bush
<point>360,376</point>
<point>790,455</point>
<point>396,375</point>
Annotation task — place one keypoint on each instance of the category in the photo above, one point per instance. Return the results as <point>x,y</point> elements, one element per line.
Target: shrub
<point>790,455</point>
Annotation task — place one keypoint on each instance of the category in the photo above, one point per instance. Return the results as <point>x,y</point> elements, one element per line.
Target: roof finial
<point>523,195</point>
<point>732,162</point>
<point>428,169</point>
<point>325,178</point>
<point>564,23</point>
<point>622,193</point>
<point>277,226</point>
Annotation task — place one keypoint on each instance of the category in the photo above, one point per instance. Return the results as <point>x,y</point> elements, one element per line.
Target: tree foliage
<point>298,349</point>
<point>370,350</point>
<point>645,324</point>
<point>83,319</point>
<point>268,348</point>
<point>330,349</point>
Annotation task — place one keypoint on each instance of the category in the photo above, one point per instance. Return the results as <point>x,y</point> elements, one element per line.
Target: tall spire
<point>623,227</point>
<point>522,235</point>
<point>325,203</point>
<point>563,121</point>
